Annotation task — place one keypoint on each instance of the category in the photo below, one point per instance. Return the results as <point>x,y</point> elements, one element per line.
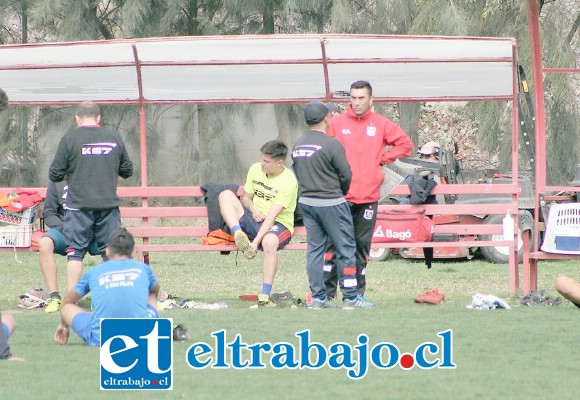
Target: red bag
<point>402,226</point>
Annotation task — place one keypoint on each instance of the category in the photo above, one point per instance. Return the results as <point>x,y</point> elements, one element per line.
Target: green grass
<point>503,354</point>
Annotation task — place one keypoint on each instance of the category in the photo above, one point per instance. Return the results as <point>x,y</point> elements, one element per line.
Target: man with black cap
<point>324,177</point>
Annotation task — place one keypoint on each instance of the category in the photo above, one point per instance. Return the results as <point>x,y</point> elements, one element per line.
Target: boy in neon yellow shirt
<point>263,218</point>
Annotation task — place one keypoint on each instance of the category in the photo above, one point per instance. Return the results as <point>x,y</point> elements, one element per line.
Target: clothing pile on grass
<point>282,299</point>
<point>482,301</point>
<point>167,301</point>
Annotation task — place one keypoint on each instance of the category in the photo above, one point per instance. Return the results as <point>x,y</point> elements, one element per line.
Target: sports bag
<point>402,226</point>
<point>218,236</point>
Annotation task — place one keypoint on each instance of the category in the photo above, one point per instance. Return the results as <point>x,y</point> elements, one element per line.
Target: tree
<point>60,20</point>
<point>494,18</point>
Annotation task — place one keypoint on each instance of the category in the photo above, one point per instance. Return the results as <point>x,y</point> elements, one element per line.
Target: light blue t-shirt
<point>119,289</point>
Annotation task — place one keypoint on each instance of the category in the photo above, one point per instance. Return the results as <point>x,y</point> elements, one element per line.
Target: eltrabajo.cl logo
<point>136,354</point>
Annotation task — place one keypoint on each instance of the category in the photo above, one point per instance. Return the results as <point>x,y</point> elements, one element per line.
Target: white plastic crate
<point>26,217</point>
<point>562,234</point>
<point>16,235</point>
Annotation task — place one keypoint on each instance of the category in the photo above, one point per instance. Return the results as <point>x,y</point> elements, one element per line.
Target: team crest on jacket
<point>368,214</point>
<point>371,130</point>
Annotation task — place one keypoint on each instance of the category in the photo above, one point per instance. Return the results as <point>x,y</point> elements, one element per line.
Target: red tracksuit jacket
<point>364,139</point>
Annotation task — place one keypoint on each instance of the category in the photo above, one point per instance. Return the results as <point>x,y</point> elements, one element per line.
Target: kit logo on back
<point>98,149</point>
<point>136,354</point>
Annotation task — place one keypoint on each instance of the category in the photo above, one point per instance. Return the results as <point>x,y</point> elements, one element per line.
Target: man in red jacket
<point>365,136</point>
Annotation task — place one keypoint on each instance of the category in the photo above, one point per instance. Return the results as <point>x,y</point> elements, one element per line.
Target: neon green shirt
<point>281,190</point>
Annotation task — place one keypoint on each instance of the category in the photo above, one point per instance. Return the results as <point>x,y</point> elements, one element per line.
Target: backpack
<point>218,236</point>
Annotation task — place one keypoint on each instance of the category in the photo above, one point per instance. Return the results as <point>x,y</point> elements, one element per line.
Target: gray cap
<point>315,111</point>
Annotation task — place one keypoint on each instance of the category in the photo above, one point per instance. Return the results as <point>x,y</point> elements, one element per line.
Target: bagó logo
<point>136,353</point>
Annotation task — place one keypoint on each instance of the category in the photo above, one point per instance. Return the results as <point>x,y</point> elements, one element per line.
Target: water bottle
<point>508,227</point>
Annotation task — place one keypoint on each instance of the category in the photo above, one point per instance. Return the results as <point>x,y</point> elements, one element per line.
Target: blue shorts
<point>60,243</point>
<point>6,330</point>
<point>251,227</point>
<point>81,324</point>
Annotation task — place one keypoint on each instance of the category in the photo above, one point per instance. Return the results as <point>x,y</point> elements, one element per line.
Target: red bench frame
<point>138,219</point>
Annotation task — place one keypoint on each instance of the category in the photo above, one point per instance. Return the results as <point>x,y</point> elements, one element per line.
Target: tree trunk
<point>575,27</point>
<point>268,18</point>
<point>192,15</point>
<point>24,20</point>
<point>409,120</point>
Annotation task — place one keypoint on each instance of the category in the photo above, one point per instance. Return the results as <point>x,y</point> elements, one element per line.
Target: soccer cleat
<point>430,297</point>
<point>264,301</point>
<point>358,302</point>
<point>243,244</point>
<point>162,296</point>
<point>40,293</point>
<point>28,301</point>
<point>180,334</point>
<point>52,304</point>
<point>322,303</point>
<point>169,304</point>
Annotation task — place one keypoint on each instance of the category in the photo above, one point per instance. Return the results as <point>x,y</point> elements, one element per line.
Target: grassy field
<point>525,352</point>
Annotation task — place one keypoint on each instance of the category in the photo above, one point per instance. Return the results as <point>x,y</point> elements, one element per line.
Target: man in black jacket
<point>92,159</point>
<point>324,176</point>
<point>53,241</point>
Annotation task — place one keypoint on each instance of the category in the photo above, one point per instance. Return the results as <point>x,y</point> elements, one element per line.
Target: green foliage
<point>429,17</point>
<point>562,140</point>
<point>68,20</point>
<point>207,145</point>
<point>18,128</point>
<point>58,20</point>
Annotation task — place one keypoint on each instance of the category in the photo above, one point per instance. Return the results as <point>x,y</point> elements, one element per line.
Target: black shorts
<point>81,226</point>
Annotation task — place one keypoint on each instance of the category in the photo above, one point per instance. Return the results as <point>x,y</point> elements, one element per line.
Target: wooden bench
<point>174,219</point>
<point>140,221</point>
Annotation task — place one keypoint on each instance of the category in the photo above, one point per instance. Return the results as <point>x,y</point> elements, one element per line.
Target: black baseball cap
<point>315,111</point>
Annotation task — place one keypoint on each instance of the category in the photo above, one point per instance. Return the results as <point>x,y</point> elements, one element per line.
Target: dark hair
<point>362,85</point>
<point>275,149</point>
<point>121,243</point>
<point>87,109</point>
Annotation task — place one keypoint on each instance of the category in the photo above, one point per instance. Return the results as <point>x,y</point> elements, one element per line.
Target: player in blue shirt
<point>120,288</point>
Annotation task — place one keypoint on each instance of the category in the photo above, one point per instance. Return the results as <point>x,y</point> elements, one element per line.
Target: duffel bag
<point>402,226</point>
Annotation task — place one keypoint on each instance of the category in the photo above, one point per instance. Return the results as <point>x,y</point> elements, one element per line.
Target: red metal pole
<point>142,120</point>
<point>142,145</point>
<point>325,68</point>
<point>540,122</point>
